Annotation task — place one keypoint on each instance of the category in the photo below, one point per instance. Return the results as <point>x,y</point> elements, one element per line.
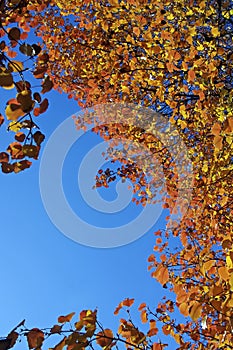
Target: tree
<point>175,58</point>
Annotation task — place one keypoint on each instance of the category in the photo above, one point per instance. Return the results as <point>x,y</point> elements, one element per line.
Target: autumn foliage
<point>176,58</point>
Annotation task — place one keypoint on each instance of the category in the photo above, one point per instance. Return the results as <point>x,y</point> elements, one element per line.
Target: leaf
<point>216,129</point>
<point>21,165</point>
<point>207,266</point>
<point>136,31</point>
<point>223,273</point>
<point>184,309</point>
<point>166,329</point>
<point>15,126</point>
<point>144,318</point>
<point>157,346</point>
<point>195,311</point>
<point>36,49</point>
<point>30,151</point>
<point>231,281</point>
<point>12,336</point>
<point>26,49</point>
<point>13,114</point>
<point>16,150</point>
<point>7,168</point>
<point>6,80</point>
<point>4,157</point>
<point>37,97</point>
<point>128,302</point>
<point>79,325</point>
<point>218,142</point>
<point>101,340</point>
<point>215,32</point>
<point>14,34</point>
<point>20,136</point>
<point>39,72</point>
<point>1,119</point>
<point>191,76</point>
<point>47,85</point>
<point>67,318</point>
<point>56,329</point>
<point>35,338</point>
<point>142,306</point>
<point>16,66</point>
<point>25,99</point>
<point>44,105</point>
<point>22,85</point>
<point>5,344</point>
<point>38,137</point>
<point>228,127</point>
<point>161,274</point>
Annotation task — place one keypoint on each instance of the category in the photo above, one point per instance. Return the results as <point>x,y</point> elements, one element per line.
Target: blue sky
<point>44,273</point>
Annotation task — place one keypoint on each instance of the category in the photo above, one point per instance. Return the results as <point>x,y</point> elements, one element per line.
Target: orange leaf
<point>161,274</point>
<point>191,76</point>
<point>144,318</point>
<point>152,324</point>
<point>181,296</point>
<point>141,306</point>
<point>216,128</point>
<point>223,273</point>
<point>195,311</point>
<point>67,318</point>
<point>128,302</point>
<point>229,125</point>
<point>136,31</point>
<point>102,340</point>
<point>218,142</point>
<point>184,309</point>
<point>166,329</point>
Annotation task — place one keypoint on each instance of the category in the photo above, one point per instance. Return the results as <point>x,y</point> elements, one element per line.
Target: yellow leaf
<point>215,32</point>
<point>182,123</point>
<point>16,66</point>
<point>125,89</point>
<point>170,17</point>
<point>105,26</point>
<point>15,126</point>
<point>13,115</point>
<point>229,262</point>
<point>231,281</point>
<point>205,168</point>
<point>230,301</point>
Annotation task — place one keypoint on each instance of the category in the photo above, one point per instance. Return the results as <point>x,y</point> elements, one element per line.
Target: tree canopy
<point>176,59</point>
